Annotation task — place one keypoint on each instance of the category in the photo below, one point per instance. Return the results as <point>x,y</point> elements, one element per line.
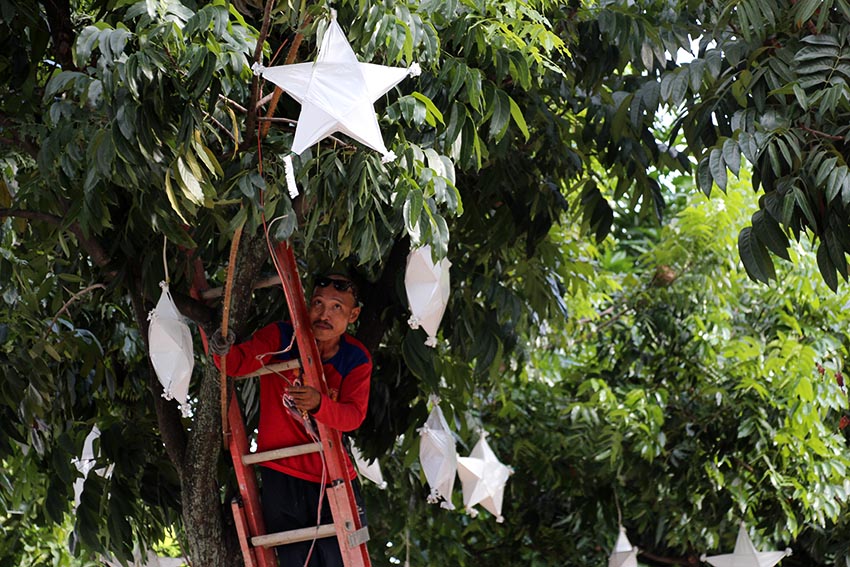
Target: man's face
<point>331,311</point>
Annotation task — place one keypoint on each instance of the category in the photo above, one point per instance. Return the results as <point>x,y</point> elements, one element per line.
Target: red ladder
<point>257,546</point>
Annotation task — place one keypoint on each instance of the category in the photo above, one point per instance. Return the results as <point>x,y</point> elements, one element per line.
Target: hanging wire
<point>164,262</point>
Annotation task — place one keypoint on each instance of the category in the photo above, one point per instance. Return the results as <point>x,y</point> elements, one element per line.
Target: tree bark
<point>61,31</point>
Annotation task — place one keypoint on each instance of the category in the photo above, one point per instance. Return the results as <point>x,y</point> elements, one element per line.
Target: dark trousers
<point>290,503</point>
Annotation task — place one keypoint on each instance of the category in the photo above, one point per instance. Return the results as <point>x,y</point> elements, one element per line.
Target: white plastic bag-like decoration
<point>86,462</point>
<point>171,349</point>
<point>370,470</point>
<point>745,554</point>
<point>438,456</point>
<point>483,478</point>
<point>427,286</point>
<point>623,555</point>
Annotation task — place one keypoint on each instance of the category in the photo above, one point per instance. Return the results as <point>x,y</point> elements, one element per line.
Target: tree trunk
<point>211,537</point>
<point>207,518</point>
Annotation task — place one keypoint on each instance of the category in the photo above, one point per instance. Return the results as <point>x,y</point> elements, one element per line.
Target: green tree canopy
<point>535,125</point>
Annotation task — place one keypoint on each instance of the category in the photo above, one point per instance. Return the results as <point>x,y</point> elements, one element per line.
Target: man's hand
<point>305,397</point>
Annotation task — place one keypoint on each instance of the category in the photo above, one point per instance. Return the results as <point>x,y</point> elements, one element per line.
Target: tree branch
<point>688,561</point>
<point>93,247</point>
<point>61,31</point>
<point>822,134</point>
<point>72,300</point>
<point>251,122</point>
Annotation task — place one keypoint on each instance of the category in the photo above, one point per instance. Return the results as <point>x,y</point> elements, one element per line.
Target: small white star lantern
<point>438,456</point>
<point>337,92</point>
<point>427,286</point>
<point>746,555</point>
<point>171,350</point>
<point>623,554</point>
<point>483,478</point>
<point>367,469</point>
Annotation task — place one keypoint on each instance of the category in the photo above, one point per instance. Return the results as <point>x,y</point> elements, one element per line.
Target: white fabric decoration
<point>427,288</point>
<point>370,470</point>
<point>86,462</point>
<point>289,170</point>
<point>745,554</point>
<point>623,554</point>
<point>438,456</point>
<point>336,92</point>
<point>483,478</point>
<point>171,349</point>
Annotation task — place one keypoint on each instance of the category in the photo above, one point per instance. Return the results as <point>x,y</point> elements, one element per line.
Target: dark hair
<point>341,282</point>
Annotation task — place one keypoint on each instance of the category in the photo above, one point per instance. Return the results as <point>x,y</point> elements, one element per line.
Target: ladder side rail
<point>241,522</point>
<point>247,480</point>
<point>339,491</point>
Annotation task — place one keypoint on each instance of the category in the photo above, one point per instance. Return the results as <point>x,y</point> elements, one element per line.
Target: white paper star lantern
<point>427,286</point>
<point>483,478</point>
<point>337,92</point>
<point>746,555</point>
<point>370,470</point>
<point>438,456</point>
<point>623,554</point>
<point>171,349</point>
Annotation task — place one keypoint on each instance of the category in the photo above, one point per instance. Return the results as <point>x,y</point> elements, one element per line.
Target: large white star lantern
<point>483,478</point>
<point>438,456</point>
<point>746,555</point>
<point>337,92</point>
<point>171,350</point>
<point>427,286</point>
<point>623,554</point>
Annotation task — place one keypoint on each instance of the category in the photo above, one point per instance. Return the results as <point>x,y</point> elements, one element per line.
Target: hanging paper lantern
<point>370,470</point>
<point>438,456</point>
<point>427,286</point>
<point>623,555</point>
<point>171,349</point>
<point>483,478</point>
<point>745,554</point>
<point>337,92</point>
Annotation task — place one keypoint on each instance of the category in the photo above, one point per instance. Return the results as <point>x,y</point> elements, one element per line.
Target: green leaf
<point>732,156</point>
<point>755,257</point>
<point>718,168</point>
<point>430,108</point>
<point>827,269</point>
<point>411,211</point>
<point>172,198</point>
<point>501,113</point>
<point>704,179</point>
<point>769,233</point>
<point>189,183</point>
<point>519,120</point>
<point>803,202</point>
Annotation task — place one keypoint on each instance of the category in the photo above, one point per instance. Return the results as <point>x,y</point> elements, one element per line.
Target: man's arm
<point>252,354</point>
<point>349,410</point>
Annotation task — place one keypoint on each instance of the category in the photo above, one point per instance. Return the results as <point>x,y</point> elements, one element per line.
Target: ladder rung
<point>275,454</point>
<point>272,368</point>
<point>294,536</point>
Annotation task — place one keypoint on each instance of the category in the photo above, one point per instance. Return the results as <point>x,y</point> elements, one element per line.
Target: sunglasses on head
<point>339,285</point>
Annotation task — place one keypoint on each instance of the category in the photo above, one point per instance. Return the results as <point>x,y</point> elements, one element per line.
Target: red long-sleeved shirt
<point>347,373</point>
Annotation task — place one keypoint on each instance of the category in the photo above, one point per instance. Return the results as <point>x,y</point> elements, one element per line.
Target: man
<point>291,487</point>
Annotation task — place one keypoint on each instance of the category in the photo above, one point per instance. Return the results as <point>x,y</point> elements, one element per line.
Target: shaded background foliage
<point>532,135</point>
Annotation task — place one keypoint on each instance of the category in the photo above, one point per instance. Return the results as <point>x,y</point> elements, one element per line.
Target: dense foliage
<point>533,131</point>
